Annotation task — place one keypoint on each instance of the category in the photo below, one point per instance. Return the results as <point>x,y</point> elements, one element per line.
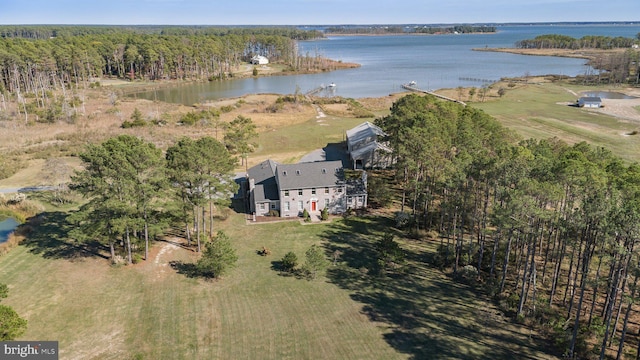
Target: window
<point>273,205</point>
<point>339,189</point>
<point>300,205</point>
<point>286,193</point>
<point>262,206</point>
<point>298,172</point>
<point>326,190</point>
<point>326,203</point>
<point>313,191</point>
<point>300,192</point>
<point>284,172</point>
<point>287,206</point>
<point>324,171</point>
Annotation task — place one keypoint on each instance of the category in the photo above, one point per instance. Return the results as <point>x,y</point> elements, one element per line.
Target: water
<point>607,95</point>
<point>7,226</point>
<point>433,61</point>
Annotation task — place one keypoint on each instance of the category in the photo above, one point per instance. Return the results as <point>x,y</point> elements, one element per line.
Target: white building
<point>590,102</point>
<point>259,60</point>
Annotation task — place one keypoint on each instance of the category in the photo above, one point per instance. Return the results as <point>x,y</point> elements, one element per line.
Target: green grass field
<point>153,310</point>
<point>540,111</point>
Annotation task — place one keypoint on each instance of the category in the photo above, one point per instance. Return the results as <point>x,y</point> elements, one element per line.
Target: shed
<point>590,102</point>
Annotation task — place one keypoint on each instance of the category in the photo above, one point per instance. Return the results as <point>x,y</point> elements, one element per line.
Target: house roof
<point>263,174</point>
<point>309,175</point>
<point>357,154</point>
<point>362,132</point>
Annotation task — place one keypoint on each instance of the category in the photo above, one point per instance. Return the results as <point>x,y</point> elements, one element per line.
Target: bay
<point>387,62</point>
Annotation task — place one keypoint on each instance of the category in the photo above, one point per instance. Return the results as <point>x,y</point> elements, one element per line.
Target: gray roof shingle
<point>309,175</point>
<point>264,176</point>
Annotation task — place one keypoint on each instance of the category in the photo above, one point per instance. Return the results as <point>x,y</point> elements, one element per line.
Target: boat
<point>332,85</point>
<point>412,83</point>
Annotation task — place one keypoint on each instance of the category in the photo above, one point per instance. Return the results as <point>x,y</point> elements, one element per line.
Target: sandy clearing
<point>624,109</point>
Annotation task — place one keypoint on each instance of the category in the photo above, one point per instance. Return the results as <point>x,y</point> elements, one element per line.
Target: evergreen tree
<point>218,257</point>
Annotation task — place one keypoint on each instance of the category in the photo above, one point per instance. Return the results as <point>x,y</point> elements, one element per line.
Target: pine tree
<point>218,257</point>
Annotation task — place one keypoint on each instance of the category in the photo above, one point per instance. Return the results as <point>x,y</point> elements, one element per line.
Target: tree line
<point>34,62</point>
<point>552,229</point>
<point>611,68</point>
<point>395,29</point>
<point>135,192</point>
<point>556,41</point>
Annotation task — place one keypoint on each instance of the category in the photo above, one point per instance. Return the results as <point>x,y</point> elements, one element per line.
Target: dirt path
<point>161,261</point>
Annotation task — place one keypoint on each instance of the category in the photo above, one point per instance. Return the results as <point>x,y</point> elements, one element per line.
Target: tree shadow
<point>47,234</point>
<point>428,316</point>
<point>187,269</point>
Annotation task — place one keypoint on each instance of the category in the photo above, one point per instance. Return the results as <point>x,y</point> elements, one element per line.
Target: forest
<point>555,41</point>
<point>616,63</point>
<point>42,58</point>
<point>549,228</point>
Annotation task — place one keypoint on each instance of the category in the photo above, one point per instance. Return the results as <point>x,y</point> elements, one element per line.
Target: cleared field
<point>542,111</point>
<point>154,311</point>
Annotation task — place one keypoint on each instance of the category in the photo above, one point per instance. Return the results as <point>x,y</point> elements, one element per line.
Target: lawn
<point>69,293</point>
<point>541,111</point>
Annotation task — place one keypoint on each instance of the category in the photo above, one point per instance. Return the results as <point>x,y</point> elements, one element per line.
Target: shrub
<point>324,214</point>
<point>137,258</point>
<point>402,219</point>
<point>305,215</point>
<point>274,213</point>
<point>445,256</point>
<point>289,261</point>
<point>468,274</point>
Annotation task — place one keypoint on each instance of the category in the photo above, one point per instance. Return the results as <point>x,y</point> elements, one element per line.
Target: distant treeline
<point>380,30</point>
<point>555,41</point>
<point>459,29</point>
<point>50,31</point>
<point>35,59</point>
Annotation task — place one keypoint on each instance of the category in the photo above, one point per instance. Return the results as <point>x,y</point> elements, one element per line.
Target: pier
<point>414,88</point>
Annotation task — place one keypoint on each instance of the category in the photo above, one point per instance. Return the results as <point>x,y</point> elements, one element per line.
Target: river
<point>433,61</point>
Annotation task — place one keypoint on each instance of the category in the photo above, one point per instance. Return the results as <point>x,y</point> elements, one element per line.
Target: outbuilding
<point>590,102</point>
<point>259,60</point>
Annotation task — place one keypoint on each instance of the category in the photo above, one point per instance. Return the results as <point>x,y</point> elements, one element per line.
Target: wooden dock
<point>416,89</point>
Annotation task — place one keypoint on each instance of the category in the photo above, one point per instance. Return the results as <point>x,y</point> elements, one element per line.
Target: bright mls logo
<point>33,350</point>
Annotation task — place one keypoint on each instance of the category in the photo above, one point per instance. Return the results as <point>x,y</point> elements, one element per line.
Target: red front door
<point>313,206</point>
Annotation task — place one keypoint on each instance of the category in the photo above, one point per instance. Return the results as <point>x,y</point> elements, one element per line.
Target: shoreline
<point>587,54</point>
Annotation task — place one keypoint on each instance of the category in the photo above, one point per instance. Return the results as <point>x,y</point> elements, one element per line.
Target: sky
<point>312,12</point>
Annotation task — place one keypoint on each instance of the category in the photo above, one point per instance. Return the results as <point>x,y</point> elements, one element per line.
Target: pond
<point>607,95</point>
<point>7,226</point>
